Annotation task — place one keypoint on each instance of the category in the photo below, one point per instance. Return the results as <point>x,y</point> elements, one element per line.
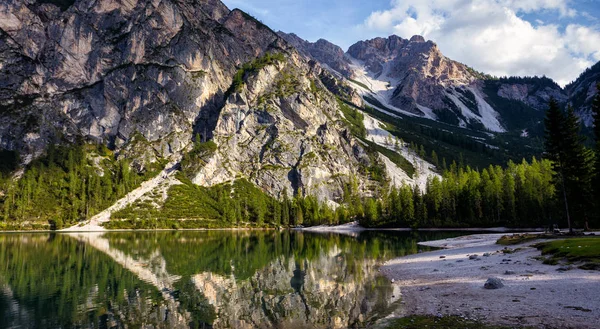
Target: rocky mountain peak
<point>322,51</point>
<point>417,38</point>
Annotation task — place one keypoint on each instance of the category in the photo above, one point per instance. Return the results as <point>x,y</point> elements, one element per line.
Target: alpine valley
<point>186,114</point>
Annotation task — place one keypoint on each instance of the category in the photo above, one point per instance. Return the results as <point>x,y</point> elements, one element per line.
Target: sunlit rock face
<point>327,291</point>
<point>284,135</point>
<point>422,81</point>
<point>146,77</point>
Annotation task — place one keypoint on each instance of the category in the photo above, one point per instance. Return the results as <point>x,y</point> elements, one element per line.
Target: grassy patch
<point>429,321</point>
<point>192,206</point>
<point>197,158</point>
<point>251,67</point>
<point>360,84</point>
<point>513,239</point>
<point>396,158</point>
<point>377,103</point>
<point>354,118</point>
<point>580,250</point>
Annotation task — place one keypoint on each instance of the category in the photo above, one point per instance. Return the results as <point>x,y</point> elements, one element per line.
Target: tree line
<point>563,188</point>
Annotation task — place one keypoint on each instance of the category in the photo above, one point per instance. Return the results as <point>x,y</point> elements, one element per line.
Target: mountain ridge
<point>403,59</point>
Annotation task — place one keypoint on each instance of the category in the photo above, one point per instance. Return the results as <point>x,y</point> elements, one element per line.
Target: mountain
<point>155,80</point>
<point>581,92</point>
<point>323,51</point>
<point>412,77</point>
<point>202,102</point>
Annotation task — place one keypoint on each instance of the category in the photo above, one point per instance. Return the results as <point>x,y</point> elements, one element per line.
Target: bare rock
<point>493,283</point>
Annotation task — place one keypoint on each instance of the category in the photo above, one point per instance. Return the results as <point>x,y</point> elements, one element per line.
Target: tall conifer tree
<point>596,115</point>
<point>554,144</point>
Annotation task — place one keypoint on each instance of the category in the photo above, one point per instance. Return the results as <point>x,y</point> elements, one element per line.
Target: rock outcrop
<point>582,91</point>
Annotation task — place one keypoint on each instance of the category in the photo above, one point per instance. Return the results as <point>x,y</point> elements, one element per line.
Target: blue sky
<point>556,38</point>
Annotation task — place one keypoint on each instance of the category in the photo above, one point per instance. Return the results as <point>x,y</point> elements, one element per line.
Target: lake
<point>199,279</point>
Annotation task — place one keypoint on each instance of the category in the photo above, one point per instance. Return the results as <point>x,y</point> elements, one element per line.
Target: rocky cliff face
<point>145,76</point>
<point>323,51</point>
<point>582,91</point>
<point>414,77</point>
<point>531,94</point>
<point>282,130</point>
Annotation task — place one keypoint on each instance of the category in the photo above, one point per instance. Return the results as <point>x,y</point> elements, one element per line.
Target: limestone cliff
<point>147,76</point>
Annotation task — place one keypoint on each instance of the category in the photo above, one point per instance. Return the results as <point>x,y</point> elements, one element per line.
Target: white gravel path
<point>447,282</point>
<point>161,181</point>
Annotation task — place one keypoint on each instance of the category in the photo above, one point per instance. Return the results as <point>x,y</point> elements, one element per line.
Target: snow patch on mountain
<point>380,87</point>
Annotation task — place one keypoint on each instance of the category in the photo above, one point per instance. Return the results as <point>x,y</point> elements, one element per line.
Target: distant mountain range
<point>412,76</point>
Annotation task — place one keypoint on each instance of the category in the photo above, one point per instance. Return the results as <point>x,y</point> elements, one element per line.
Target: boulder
<point>493,283</point>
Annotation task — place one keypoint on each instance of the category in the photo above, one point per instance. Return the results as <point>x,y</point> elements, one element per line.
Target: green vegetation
<point>361,84</point>
<point>572,162</point>
<point>434,322</point>
<point>235,204</point>
<point>252,67</point>
<point>596,180</point>
<point>374,101</point>
<point>67,185</point>
<point>396,158</point>
<point>574,250</point>
<point>521,195</point>
<point>509,240</point>
<point>354,118</point>
<point>192,206</point>
<point>464,146</point>
<point>515,115</point>
<point>198,156</point>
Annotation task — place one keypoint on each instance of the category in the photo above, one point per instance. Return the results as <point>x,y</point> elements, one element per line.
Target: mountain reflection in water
<point>198,279</point>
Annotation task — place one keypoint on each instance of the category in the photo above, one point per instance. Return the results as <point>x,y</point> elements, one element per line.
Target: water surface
<point>199,279</point>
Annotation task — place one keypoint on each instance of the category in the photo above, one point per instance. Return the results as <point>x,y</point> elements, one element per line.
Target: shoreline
<point>447,282</point>
<point>352,227</point>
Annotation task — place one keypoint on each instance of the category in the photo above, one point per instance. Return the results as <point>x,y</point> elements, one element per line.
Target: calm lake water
<point>214,279</point>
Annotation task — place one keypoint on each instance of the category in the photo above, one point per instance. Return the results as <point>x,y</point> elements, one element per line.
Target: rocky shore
<point>451,281</point>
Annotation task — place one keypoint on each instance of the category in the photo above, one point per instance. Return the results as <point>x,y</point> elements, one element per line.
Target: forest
<point>67,185</point>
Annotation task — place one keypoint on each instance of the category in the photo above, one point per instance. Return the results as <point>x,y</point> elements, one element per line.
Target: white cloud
<point>490,36</point>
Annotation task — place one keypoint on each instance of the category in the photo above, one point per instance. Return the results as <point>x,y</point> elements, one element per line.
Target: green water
<point>215,279</point>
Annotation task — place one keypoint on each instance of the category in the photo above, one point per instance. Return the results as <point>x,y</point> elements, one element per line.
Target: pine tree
<point>554,138</point>
<point>596,115</point>
<point>578,169</point>
<point>570,160</point>
<point>434,159</point>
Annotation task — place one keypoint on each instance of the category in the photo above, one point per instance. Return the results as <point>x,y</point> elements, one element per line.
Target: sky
<point>555,38</point>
